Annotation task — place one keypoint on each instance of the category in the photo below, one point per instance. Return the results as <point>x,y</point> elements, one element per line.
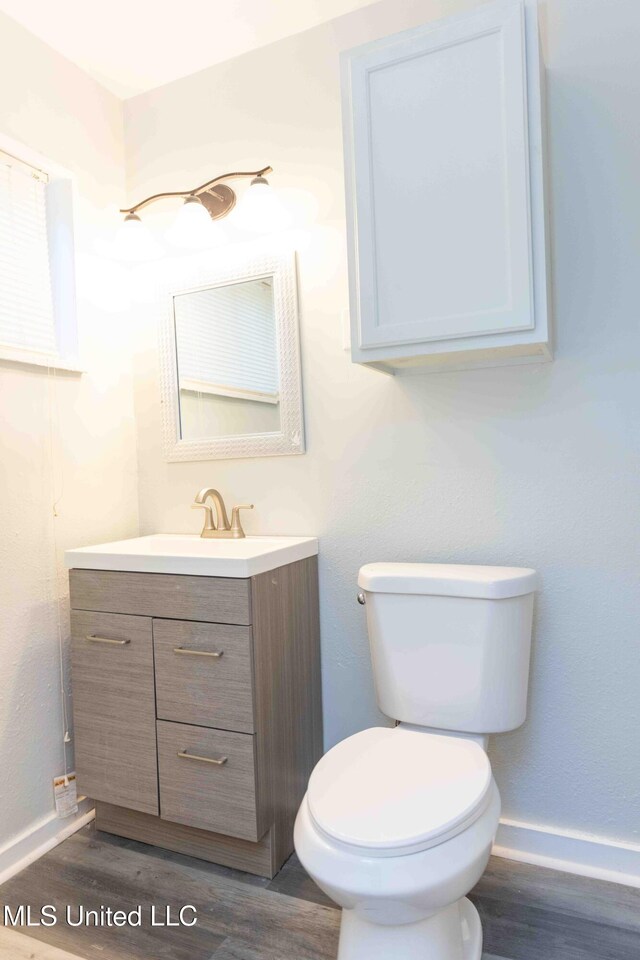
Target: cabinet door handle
<point>218,761</point>
<point>216,654</point>
<point>92,638</point>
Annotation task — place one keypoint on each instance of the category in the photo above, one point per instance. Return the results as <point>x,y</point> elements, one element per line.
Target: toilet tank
<point>450,644</point>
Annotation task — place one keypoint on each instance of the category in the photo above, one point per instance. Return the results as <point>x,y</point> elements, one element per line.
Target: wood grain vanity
<point>197,707</point>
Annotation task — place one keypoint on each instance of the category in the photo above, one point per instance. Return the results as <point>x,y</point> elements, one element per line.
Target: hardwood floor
<point>528,913</point>
<point>15,946</point>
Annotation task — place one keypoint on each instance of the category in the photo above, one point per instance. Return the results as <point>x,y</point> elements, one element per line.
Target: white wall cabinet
<point>445,195</point>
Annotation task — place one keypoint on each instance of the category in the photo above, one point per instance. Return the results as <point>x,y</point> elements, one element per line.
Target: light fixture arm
<point>197,190</point>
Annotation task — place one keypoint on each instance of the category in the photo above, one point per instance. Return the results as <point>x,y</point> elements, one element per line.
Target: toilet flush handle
<point>361,599</point>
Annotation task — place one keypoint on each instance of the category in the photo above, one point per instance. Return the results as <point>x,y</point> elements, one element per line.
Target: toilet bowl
<point>411,837</point>
<point>398,822</point>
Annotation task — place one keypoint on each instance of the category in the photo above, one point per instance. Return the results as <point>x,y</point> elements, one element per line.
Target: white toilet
<point>397,823</point>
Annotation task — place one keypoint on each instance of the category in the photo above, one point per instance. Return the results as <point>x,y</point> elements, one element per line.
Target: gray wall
<point>534,465</point>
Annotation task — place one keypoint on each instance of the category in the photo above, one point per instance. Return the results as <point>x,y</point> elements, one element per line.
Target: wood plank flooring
<point>528,913</point>
<point>15,946</point>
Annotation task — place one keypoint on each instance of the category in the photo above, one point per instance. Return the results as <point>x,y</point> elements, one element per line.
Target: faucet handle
<point>236,527</point>
<point>209,523</point>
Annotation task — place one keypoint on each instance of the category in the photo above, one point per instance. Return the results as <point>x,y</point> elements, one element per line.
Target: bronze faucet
<point>220,527</point>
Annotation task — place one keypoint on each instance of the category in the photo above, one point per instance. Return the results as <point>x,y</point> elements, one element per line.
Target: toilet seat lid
<point>398,790</point>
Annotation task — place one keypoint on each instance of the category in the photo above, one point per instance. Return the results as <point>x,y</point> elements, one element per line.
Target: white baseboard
<point>41,837</point>
<point>569,851</point>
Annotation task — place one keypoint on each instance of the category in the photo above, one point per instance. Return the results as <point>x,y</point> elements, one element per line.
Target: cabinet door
<point>436,135</point>
<point>114,709</point>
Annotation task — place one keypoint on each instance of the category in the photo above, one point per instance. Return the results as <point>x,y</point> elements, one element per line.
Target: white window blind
<point>26,305</point>
<point>226,341</point>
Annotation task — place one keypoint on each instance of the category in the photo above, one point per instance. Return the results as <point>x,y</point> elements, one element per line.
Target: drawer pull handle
<point>92,638</point>
<point>218,761</point>
<point>216,654</point>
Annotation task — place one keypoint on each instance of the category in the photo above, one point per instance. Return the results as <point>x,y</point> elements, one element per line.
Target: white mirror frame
<point>290,438</point>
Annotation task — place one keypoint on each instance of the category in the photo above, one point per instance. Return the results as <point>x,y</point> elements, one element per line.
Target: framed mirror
<point>231,384</point>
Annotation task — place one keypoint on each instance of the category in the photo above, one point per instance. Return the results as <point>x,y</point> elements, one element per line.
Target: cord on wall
<point>53,411</point>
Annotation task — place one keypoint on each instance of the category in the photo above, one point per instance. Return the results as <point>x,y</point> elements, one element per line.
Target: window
<point>37,282</point>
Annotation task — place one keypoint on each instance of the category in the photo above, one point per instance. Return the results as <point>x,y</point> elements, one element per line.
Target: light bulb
<point>260,211</point>
<point>134,242</point>
<point>193,227</point>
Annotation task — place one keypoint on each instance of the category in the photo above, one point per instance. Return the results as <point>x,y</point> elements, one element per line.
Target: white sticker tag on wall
<point>66,795</point>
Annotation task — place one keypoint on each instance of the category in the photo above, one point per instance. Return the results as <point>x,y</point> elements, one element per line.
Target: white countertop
<point>190,554</point>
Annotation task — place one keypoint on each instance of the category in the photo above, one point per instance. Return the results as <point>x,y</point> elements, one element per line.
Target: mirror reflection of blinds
<point>26,306</point>
<point>226,341</point>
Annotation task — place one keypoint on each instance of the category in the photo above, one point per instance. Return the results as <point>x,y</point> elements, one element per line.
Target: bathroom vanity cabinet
<point>197,707</point>
<point>444,166</point>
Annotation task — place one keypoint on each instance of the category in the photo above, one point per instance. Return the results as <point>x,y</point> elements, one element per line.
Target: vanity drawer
<point>203,674</point>
<point>214,787</point>
<point>182,597</point>
<point>114,709</point>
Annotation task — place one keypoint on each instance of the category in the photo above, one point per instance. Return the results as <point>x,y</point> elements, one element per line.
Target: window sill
<point>32,358</point>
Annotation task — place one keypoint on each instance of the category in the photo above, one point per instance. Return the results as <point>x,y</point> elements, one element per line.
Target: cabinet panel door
<point>114,709</point>
<point>438,182</point>
<point>208,779</point>
<point>203,674</point>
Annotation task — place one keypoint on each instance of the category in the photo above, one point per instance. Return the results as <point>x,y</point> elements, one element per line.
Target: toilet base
<point>454,933</point>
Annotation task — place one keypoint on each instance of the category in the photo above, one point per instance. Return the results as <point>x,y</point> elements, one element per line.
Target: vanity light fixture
<point>259,209</point>
<point>196,223</point>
